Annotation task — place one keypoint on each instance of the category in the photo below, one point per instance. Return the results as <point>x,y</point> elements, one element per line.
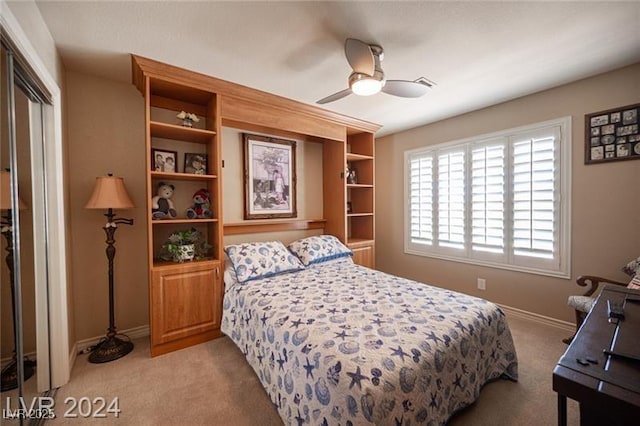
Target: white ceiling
<point>478,53</point>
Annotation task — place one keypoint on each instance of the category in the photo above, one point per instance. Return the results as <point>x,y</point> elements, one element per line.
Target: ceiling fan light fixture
<point>368,78</point>
<point>364,85</point>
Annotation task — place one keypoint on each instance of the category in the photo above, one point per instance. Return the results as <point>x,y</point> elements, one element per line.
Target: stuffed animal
<point>161,204</point>
<point>201,208</point>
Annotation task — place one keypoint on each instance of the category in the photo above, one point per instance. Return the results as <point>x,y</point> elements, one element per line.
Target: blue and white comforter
<point>339,344</point>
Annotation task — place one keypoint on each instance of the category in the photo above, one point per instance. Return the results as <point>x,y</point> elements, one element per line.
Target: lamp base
<point>110,348</point>
<point>10,374</point>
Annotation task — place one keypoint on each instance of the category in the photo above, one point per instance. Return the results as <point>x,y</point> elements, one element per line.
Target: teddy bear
<point>201,208</point>
<point>161,204</point>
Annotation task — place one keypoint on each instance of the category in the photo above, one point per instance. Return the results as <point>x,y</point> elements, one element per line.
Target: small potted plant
<point>188,118</point>
<point>185,245</point>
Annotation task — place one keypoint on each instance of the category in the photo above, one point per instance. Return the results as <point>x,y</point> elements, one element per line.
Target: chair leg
<point>579,320</point>
<point>580,316</point>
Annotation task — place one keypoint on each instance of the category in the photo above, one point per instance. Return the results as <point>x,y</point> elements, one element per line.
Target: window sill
<point>516,268</point>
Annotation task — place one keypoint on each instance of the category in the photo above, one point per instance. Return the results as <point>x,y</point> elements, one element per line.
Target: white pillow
<point>319,248</point>
<point>229,274</point>
<point>252,261</point>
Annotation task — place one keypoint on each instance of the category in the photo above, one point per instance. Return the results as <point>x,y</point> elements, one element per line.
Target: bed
<point>334,343</point>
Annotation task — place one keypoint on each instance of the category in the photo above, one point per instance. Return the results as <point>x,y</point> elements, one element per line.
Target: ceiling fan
<point>368,78</point>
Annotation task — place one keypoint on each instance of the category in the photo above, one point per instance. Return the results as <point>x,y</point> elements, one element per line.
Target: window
<point>499,200</point>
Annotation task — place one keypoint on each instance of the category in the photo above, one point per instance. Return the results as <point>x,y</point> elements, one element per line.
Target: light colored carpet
<point>211,384</point>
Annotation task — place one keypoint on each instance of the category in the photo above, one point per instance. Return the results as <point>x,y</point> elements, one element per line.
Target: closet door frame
<point>60,355</point>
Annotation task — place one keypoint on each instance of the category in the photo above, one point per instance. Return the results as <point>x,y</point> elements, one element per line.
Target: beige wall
<point>605,198</point>
<point>28,16</point>
<point>106,135</point>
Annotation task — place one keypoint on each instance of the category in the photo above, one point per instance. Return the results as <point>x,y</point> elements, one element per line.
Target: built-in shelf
<point>251,227</point>
<point>167,264</point>
<point>194,287</point>
<point>197,287</point>
<point>180,176</point>
<point>354,241</point>
<point>359,214</point>
<point>358,157</point>
<point>180,133</point>
<point>183,220</point>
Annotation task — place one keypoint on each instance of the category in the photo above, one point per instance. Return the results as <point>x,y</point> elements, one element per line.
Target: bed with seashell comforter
<point>339,344</point>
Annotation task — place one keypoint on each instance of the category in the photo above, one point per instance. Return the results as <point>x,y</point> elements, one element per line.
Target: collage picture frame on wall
<point>612,135</point>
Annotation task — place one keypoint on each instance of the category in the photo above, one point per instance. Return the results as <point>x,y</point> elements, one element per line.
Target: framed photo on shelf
<point>612,135</point>
<point>163,160</point>
<point>351,176</point>
<point>269,177</point>
<point>195,163</point>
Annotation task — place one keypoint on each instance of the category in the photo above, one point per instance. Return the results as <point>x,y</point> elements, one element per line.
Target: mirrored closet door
<point>24,330</point>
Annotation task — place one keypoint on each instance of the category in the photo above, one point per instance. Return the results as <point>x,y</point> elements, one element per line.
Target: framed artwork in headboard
<point>269,177</point>
<point>612,135</point>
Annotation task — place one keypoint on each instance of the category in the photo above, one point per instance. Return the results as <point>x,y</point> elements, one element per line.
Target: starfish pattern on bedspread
<point>339,344</point>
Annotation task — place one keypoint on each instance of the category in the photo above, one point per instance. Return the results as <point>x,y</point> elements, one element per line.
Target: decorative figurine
<point>161,205</point>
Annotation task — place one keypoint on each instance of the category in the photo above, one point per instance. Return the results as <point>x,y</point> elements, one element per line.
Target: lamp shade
<point>5,193</point>
<point>109,192</point>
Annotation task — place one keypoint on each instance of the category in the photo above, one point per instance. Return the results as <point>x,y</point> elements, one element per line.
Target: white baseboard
<point>73,355</point>
<point>541,319</point>
<point>81,345</point>
<point>133,333</point>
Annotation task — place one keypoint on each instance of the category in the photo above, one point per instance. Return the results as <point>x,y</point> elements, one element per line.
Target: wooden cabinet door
<point>364,255</point>
<point>185,306</point>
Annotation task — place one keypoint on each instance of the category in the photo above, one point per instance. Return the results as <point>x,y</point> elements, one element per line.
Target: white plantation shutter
<point>451,199</point>
<point>494,200</point>
<point>488,174</point>
<point>535,200</point>
<point>421,199</point>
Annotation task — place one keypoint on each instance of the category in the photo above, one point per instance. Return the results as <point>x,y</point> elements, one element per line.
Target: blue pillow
<point>260,260</point>
<point>318,249</point>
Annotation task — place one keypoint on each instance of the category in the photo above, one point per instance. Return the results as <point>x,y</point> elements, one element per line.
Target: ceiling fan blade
<point>405,88</point>
<point>341,94</point>
<point>359,56</point>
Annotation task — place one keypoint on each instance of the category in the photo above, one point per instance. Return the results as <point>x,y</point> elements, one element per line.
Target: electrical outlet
<point>482,284</point>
